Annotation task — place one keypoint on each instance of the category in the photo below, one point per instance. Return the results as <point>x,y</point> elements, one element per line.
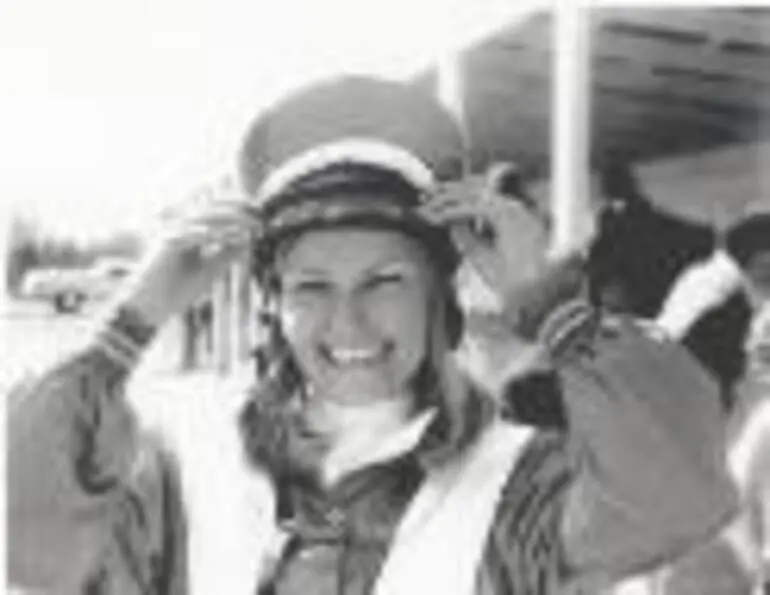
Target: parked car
<point>69,289</point>
<point>105,276</point>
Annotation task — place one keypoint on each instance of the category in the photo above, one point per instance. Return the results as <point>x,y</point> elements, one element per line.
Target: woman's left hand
<point>506,240</point>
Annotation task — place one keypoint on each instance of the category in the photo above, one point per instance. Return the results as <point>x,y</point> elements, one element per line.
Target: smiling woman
<point>390,469</point>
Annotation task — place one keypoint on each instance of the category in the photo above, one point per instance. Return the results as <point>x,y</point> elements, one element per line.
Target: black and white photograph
<point>385,298</point>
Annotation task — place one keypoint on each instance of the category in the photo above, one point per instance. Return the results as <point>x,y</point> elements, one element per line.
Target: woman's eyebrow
<point>305,272</point>
<point>399,265</point>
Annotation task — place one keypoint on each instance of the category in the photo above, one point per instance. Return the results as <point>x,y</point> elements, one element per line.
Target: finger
<point>450,215</point>
<point>459,212</point>
<point>465,239</point>
<point>232,208</point>
<point>444,201</point>
<point>215,229</point>
<point>221,217</point>
<point>213,225</point>
<point>208,244</point>
<point>191,237</point>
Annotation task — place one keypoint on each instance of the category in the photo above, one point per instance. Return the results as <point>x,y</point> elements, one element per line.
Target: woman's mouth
<point>340,356</point>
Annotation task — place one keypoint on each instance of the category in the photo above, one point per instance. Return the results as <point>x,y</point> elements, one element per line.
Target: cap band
<point>362,151</point>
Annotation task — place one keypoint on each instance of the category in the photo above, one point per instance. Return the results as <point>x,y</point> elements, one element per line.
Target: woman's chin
<point>360,397</point>
<point>362,391</point>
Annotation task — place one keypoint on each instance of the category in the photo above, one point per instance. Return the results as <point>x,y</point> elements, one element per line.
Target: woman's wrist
<point>528,310</point>
<point>123,333</point>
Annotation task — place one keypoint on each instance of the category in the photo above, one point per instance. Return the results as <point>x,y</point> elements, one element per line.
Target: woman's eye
<point>385,280</point>
<point>308,287</point>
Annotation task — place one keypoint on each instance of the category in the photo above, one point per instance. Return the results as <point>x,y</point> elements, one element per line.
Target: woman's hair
<point>275,400</point>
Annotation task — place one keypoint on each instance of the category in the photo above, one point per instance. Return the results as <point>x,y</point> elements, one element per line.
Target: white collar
<point>365,447</point>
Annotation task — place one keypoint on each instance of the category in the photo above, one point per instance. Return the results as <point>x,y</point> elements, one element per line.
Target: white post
<point>255,297</point>
<point>450,91</point>
<point>571,125</point>
<point>238,328</point>
<point>247,309</point>
<point>5,229</point>
<point>221,325</point>
<point>190,353</point>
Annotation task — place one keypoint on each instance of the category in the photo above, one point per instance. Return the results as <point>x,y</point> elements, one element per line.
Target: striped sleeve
<point>524,549</point>
<point>647,444</point>
<point>83,483</point>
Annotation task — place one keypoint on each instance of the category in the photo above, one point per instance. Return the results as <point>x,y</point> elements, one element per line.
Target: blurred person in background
<point>724,339</point>
<point>391,471</point>
<point>730,562</point>
<point>748,242</point>
<point>641,251</point>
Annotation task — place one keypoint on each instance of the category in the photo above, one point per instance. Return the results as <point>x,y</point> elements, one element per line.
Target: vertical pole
<point>450,91</point>
<point>246,310</point>
<point>6,215</point>
<point>208,326</point>
<point>253,312</point>
<point>221,324</point>
<point>236,314</point>
<point>189,337</point>
<point>571,125</point>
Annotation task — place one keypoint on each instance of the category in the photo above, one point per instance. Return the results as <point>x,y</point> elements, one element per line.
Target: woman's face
<point>355,309</point>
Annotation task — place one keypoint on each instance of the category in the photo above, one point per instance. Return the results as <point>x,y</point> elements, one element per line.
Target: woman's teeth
<point>354,356</point>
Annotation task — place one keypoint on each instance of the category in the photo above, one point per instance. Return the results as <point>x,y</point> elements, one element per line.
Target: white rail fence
<point>221,331</point>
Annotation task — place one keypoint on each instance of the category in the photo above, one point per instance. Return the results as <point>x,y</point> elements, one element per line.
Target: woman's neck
<point>360,435</point>
<point>339,420</point>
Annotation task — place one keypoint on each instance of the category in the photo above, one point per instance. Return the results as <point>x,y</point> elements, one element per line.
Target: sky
<point>110,110</point>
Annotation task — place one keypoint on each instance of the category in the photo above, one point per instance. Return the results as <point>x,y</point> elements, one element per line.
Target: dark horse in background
<point>639,251</point>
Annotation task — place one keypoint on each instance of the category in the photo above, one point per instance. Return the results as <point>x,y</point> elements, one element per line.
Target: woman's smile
<point>356,357</point>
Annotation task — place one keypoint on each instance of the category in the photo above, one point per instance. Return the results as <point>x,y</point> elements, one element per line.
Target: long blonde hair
<point>275,400</point>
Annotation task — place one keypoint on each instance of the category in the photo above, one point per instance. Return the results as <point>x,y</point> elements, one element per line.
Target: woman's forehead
<point>349,249</point>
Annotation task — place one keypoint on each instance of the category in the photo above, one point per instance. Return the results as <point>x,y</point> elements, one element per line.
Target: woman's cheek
<point>300,321</point>
<point>401,315</point>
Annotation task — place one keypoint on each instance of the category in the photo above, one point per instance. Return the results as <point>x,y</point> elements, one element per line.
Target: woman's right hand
<point>195,248</point>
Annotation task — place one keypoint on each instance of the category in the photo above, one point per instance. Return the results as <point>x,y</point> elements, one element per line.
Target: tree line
<point>29,247</point>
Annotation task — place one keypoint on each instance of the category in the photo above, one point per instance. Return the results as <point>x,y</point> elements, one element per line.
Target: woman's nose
<point>349,323</point>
